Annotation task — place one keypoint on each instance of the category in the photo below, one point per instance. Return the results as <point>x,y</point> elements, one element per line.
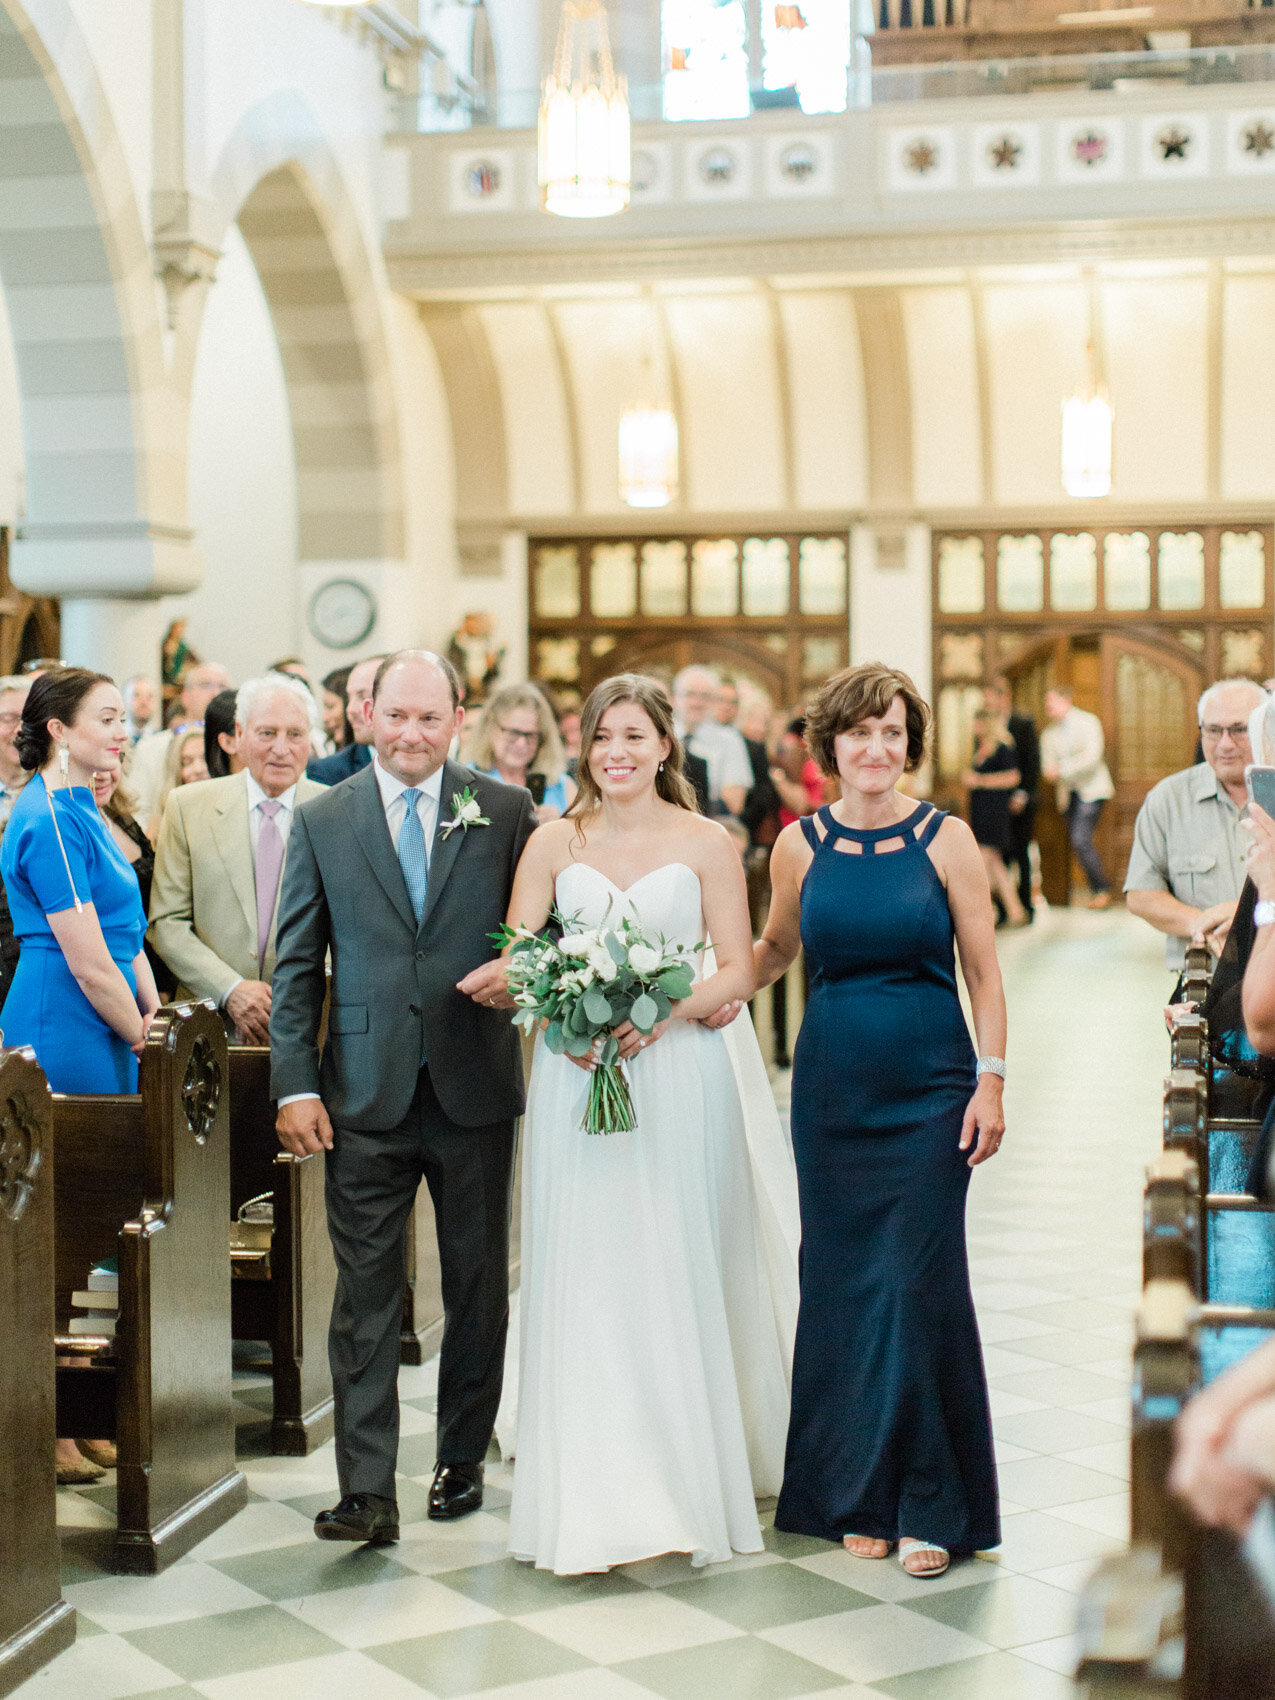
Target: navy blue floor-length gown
<point>890,1432</point>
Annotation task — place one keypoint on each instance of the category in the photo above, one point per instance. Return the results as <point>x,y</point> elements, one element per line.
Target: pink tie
<point>269,866</point>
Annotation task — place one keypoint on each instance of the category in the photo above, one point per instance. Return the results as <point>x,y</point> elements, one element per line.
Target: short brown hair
<point>862,693</point>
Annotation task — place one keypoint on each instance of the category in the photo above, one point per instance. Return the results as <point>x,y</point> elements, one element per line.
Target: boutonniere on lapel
<point>466,812</point>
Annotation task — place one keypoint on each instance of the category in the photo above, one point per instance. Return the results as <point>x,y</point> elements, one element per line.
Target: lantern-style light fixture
<point>1087,432</point>
<point>584,120</point>
<point>648,457</point>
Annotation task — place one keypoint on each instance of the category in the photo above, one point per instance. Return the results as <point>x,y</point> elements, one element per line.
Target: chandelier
<point>1087,437</point>
<point>648,457</point>
<point>584,120</point>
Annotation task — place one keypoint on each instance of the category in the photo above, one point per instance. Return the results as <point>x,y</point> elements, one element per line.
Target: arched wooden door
<point>1144,691</point>
<point>665,653</point>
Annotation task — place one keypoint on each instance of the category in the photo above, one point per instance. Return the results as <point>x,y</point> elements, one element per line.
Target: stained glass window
<point>1073,573</point>
<point>1181,569</point>
<point>558,659</point>
<point>613,581</point>
<point>557,583</point>
<point>1242,570</point>
<point>664,579</point>
<point>705,59</point>
<point>1020,574</point>
<point>957,705</point>
<point>961,575</point>
<point>765,575</point>
<point>820,656</point>
<point>806,47</point>
<point>714,582</point>
<point>822,575</point>
<point>1126,570</point>
<point>1243,653</point>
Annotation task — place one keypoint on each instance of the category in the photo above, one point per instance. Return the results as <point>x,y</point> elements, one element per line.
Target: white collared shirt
<point>283,820</point>
<point>392,790</point>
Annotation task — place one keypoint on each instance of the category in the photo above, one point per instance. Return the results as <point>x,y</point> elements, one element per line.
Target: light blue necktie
<point>411,853</point>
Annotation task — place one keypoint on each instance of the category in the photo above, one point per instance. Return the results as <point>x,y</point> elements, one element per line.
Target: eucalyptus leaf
<point>675,983</point>
<point>616,949</point>
<point>610,1051</point>
<point>596,1007</point>
<point>663,1007</point>
<point>579,1045</point>
<point>555,1038</point>
<point>645,1013</point>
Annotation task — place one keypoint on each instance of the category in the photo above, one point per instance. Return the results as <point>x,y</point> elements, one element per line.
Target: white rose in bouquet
<point>644,958</point>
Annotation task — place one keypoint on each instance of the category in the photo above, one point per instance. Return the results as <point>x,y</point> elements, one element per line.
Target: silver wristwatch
<point>996,1065</point>
<point>1263,913</point>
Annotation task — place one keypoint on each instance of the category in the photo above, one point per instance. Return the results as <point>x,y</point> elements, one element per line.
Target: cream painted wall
<point>1248,386</point>
<point>606,343</point>
<point>11,457</point>
<point>1154,343</point>
<point>825,378</point>
<point>730,399</point>
<point>890,606</point>
<point>242,481</point>
<point>118,33</point>
<point>537,433</point>
<point>1036,335</point>
<point>947,455</point>
<point>423,590</point>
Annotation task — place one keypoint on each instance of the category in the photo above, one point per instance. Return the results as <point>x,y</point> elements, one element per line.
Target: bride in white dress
<point>658,1266</point>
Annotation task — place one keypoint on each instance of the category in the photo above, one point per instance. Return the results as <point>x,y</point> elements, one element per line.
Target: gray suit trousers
<point>372,1179</point>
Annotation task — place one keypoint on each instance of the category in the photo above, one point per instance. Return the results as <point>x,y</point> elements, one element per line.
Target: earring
<point>661,767</point>
<point>64,761</point>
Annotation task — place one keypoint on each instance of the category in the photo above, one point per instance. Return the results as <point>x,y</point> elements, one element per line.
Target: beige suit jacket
<point>203,918</point>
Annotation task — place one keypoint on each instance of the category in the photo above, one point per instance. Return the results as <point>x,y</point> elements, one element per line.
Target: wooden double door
<point>1144,689</point>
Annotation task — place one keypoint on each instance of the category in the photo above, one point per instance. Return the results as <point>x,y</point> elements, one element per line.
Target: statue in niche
<point>175,656</point>
<point>476,655</point>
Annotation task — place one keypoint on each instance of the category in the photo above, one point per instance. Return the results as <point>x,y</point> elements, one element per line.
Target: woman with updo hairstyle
<point>890,1441</point>
<point>83,995</point>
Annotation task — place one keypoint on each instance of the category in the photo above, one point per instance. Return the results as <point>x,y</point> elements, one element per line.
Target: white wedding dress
<point>659,1287</point>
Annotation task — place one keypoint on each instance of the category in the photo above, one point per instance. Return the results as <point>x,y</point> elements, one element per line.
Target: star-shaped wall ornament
<point>1173,142</point>
<point>920,158</point>
<point>1004,154</point>
<point>1259,139</point>
<point>1089,148</point>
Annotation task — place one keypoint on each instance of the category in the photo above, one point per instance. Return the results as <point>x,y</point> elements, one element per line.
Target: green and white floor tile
<point>262,1609</point>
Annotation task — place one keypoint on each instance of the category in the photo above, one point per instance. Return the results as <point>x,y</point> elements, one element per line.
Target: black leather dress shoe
<point>362,1517</point>
<point>457,1489</point>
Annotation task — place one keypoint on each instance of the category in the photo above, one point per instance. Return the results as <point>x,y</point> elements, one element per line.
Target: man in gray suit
<point>421,1075</point>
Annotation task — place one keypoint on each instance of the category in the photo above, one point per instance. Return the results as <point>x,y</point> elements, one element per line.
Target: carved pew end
<point>1131,1625</point>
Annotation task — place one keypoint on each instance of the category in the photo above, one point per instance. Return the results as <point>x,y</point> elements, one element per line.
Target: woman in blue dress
<point>83,995</point>
<point>890,1436</point>
<point>517,740</point>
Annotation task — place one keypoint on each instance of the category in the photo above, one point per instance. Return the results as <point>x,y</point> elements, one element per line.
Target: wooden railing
<point>909,30</point>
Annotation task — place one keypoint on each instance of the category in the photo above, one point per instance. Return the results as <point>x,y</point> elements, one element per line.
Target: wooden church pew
<point>146,1179</point>
<point>281,1292</point>
<point>36,1623</point>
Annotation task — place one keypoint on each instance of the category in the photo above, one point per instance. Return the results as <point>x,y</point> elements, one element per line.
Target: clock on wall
<point>342,613</point>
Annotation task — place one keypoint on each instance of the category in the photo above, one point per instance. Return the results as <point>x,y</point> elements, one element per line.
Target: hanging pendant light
<point>337,5</point>
<point>648,457</point>
<point>584,120</point>
<point>1087,434</point>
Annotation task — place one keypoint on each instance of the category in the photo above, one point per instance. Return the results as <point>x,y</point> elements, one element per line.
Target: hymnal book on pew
<point>104,1280</point>
<point>101,1300</point>
<point>96,1322</point>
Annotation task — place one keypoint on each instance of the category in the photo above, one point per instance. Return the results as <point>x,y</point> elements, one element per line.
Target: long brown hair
<point>650,696</point>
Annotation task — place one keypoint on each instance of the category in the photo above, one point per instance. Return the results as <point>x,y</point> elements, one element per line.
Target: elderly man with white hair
<point>730,772</point>
<point>220,855</point>
<point>1187,864</point>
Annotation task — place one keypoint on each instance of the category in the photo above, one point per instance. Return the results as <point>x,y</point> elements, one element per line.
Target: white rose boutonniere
<point>466,812</point>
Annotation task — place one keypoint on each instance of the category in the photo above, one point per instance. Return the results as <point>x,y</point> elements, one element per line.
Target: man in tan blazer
<point>220,855</point>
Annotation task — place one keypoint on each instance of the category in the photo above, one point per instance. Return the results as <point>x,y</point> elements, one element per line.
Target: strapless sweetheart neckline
<point>624,890</point>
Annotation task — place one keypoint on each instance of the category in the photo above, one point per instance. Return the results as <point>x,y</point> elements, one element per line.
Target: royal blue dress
<point>890,1432</point>
<point>46,1008</point>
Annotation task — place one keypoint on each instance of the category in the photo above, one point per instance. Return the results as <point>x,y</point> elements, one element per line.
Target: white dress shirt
<point>392,790</point>
<point>283,820</point>
<point>427,806</point>
<point>725,753</point>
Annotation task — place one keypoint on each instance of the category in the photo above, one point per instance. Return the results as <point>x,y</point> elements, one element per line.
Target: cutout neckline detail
<point>870,834</point>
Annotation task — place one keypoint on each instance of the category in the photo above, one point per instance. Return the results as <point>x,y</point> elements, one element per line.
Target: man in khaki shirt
<point>1072,758</point>
<point>1187,863</point>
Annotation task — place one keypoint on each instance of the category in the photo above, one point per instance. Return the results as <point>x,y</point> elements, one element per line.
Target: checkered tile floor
<point>262,1609</point>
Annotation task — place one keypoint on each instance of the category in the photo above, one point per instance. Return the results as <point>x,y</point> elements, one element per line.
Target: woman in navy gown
<point>890,1436</point>
<point>83,995</point>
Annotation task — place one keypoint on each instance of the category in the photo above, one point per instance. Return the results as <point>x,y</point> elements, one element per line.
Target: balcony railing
<point>910,30</point>
<point>955,79</point>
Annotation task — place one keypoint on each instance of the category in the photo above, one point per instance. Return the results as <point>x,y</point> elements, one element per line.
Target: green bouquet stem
<point>610,1106</point>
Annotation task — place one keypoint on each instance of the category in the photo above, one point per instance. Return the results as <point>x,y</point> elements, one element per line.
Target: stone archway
<point>105,501</point>
<point>280,182</point>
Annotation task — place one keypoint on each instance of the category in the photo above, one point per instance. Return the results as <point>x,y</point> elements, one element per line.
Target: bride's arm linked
<point>529,906</point>
<point>777,948</point>
<point>725,900</point>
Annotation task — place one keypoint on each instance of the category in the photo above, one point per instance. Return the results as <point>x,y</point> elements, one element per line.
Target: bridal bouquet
<point>584,984</point>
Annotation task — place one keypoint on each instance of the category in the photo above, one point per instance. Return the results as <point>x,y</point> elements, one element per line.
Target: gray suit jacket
<point>393,982</point>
